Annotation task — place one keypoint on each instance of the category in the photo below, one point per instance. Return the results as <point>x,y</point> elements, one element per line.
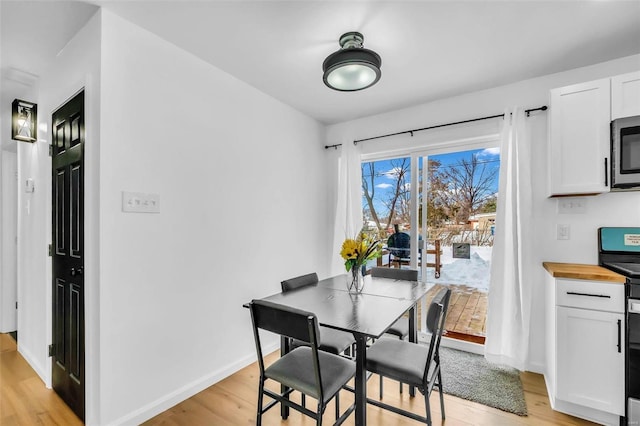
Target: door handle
<point>75,271</point>
<point>619,336</point>
<point>606,173</point>
<point>573,293</point>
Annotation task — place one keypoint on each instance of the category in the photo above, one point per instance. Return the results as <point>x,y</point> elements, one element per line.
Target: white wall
<point>614,209</point>
<point>76,67</point>
<point>241,179</point>
<point>8,244</point>
<point>9,90</point>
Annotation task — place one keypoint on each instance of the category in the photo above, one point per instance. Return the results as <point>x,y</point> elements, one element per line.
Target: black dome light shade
<point>352,67</point>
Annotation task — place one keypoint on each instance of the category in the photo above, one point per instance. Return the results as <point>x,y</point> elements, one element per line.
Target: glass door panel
<point>386,206</point>
<point>457,210</point>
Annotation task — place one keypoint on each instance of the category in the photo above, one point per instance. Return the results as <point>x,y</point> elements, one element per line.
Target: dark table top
<point>397,289</point>
<point>370,313</point>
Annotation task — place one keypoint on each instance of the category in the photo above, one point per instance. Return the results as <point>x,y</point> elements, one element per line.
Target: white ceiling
<point>430,49</point>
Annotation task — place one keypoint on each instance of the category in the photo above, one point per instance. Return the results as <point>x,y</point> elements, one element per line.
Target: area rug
<point>470,376</point>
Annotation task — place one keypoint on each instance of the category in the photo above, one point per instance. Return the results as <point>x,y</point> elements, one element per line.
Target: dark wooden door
<point>68,253</point>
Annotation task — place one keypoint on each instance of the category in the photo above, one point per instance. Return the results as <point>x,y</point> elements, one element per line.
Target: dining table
<point>367,315</point>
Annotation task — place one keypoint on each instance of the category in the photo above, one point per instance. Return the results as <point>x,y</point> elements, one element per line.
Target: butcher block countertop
<point>582,272</point>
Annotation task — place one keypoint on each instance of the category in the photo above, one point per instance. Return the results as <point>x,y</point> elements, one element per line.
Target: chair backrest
<point>285,320</point>
<point>398,244</point>
<point>435,323</point>
<point>395,273</point>
<point>442,298</point>
<point>297,282</point>
<point>289,322</point>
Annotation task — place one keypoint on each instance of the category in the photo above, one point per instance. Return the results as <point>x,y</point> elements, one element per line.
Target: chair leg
<point>337,405</point>
<point>401,382</point>
<point>428,407</point>
<point>441,394</point>
<point>260,395</point>
<point>303,399</point>
<point>381,386</point>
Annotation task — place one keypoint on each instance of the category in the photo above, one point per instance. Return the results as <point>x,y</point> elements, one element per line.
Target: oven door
<point>625,152</point>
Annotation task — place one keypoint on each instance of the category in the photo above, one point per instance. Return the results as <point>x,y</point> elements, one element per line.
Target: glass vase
<point>355,280</point>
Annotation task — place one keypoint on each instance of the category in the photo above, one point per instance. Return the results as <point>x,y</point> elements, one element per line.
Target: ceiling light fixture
<point>352,67</point>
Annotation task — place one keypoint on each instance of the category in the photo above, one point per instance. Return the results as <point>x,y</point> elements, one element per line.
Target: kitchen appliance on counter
<point>619,251</point>
<point>625,153</point>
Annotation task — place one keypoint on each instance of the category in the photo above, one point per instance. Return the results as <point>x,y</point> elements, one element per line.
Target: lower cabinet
<point>590,358</point>
<point>586,348</point>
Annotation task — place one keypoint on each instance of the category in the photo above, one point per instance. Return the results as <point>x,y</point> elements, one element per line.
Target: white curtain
<point>348,217</point>
<point>509,305</point>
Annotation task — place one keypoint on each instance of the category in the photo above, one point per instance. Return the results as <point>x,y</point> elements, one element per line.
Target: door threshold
<point>462,345</point>
<point>464,337</point>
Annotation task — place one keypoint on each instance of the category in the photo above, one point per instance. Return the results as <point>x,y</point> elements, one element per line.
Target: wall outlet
<point>563,232</point>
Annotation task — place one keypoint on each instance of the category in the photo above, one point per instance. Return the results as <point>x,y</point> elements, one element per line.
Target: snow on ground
<point>473,272</point>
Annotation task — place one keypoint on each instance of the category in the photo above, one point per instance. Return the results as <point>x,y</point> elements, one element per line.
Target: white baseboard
<point>166,402</point>
<point>31,360</point>
<point>580,411</point>
<point>586,413</point>
<point>476,348</point>
<point>536,367</point>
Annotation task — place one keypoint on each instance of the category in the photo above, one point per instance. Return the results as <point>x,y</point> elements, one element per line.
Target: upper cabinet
<point>579,120</point>
<point>580,132</point>
<point>625,95</point>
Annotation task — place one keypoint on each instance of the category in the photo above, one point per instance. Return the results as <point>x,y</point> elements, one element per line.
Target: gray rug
<point>470,376</point>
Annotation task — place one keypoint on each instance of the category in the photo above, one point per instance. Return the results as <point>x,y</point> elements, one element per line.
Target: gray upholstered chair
<point>306,369</point>
<point>331,340</point>
<point>399,328</point>
<point>411,363</point>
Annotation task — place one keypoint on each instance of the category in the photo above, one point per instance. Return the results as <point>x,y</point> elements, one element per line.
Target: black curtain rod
<point>527,111</point>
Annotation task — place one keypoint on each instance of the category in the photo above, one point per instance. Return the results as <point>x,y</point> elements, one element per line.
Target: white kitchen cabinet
<point>579,120</point>
<point>585,323</point>
<point>590,358</point>
<point>625,95</point>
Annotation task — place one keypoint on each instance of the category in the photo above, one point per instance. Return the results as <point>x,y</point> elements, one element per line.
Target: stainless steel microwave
<point>625,153</point>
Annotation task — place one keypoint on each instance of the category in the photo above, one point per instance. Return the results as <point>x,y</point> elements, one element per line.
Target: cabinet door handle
<point>606,173</point>
<point>619,336</point>
<point>573,293</point>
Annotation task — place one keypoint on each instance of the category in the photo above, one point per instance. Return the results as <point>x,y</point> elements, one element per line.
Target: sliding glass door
<point>436,210</point>
<point>457,211</point>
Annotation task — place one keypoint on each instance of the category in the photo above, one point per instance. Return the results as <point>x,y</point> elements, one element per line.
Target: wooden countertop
<point>582,272</point>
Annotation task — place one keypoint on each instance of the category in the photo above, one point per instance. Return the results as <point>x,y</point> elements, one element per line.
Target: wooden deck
<point>466,319</point>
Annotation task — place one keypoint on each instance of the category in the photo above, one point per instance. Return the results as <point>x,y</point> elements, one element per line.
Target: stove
<point>619,251</point>
<point>628,269</point>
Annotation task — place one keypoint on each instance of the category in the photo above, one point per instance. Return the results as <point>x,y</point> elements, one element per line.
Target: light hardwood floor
<point>25,401</point>
<point>23,398</point>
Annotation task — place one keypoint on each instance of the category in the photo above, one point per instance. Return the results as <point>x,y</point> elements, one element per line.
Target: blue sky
<point>384,181</point>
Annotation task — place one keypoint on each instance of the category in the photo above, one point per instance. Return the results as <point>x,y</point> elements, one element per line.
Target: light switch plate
<point>138,202</point>
<point>572,205</point>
